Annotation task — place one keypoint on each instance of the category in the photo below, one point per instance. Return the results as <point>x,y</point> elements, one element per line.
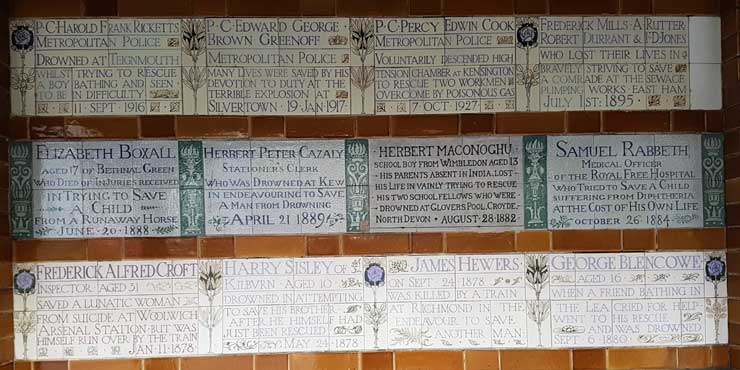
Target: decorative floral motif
<point>374,275</point>
<point>211,283</point>
<point>715,269</point>
<point>526,35</point>
<point>22,38</point>
<point>24,282</point>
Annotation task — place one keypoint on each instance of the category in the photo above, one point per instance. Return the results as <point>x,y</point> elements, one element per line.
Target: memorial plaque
<point>243,187</point>
<point>161,308</point>
<point>448,184</point>
<point>342,66</point>
<point>625,181</point>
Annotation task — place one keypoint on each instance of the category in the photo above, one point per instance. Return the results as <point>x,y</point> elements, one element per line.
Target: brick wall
<point>731,104</point>
<point>290,127</point>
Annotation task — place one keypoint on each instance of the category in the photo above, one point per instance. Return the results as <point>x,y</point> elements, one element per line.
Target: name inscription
<point>242,187</point>
<point>82,310</point>
<point>342,66</point>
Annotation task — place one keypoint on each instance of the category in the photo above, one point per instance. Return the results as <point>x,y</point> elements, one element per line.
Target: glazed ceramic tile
<point>706,86</point>
<point>704,40</point>
<point>479,40</point>
<point>279,66</point>
<point>161,308</point>
<point>408,42</point>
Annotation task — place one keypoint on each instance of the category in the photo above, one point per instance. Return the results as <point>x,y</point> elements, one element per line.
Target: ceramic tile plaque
<point>68,189</point>
<point>157,308</point>
<point>342,66</point>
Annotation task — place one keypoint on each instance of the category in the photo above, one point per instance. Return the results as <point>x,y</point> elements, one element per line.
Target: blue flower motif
<point>374,275</point>
<point>22,38</point>
<point>526,35</point>
<point>715,269</point>
<point>24,281</point>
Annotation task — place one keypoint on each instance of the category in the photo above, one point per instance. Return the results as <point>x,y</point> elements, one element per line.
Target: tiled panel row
<point>341,66</point>
<point>66,310</point>
<point>243,187</point>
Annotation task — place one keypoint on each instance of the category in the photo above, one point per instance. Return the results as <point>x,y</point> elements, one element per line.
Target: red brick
<point>586,240</point>
<point>46,127</point>
<point>580,122</point>
<point>270,246</point>
<point>46,8</point>
<point>686,7</point>
<point>476,123</point>
<point>136,248</point>
<point>377,361</point>
<point>643,358</point>
<point>368,126</point>
<point>470,242</point>
<point>381,243</point>
<point>271,362</point>
<point>732,167</point>
<point>636,121</point>
<point>720,356</point>
<point>589,359</point>
<point>729,46</point>
<point>687,120</point>
<point>240,362</point>
<point>372,8</point>
<point>635,7</point>
<point>427,243</point>
<point>48,250</point>
<point>199,126</point>
<point>161,364</point>
<point>104,249</point>
<point>323,245</point>
<point>732,190</point>
<point>428,125</point>
<point>157,126</point>
<point>425,7</point>
<point>531,359</point>
<point>714,120</point>
<point>217,247</point>
<point>533,240</point>
<point>475,7</point>
<point>99,8</point>
<point>530,6</point>
<point>638,239</point>
<point>128,8</point>
<point>729,22</point>
<point>101,127</point>
<point>733,214</point>
<point>320,127</point>
<point>691,238</point>
<point>584,7</point>
<point>268,126</point>
<point>530,122</point>
<point>18,128</point>
<point>264,8</point>
<point>209,7</point>
<point>319,7</point>
<point>323,361</point>
<point>429,360</point>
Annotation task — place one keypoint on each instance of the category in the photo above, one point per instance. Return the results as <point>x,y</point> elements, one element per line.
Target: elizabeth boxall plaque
<point>242,187</point>
<point>156,308</point>
<point>342,66</point>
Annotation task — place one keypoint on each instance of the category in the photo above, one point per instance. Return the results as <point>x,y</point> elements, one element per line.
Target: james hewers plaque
<point>342,66</point>
<point>241,187</point>
<point>159,308</point>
